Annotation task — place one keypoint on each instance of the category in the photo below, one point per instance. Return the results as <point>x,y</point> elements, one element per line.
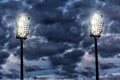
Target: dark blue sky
<point>59,36</point>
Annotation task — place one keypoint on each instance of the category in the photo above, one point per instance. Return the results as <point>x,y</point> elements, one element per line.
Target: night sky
<point>59,37</point>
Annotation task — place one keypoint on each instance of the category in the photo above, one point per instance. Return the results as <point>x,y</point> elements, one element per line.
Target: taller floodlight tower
<point>96,24</point>
<point>22,31</point>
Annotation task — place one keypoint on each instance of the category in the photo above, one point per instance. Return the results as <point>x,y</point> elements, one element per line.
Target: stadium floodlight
<point>22,31</point>
<point>22,26</point>
<point>96,24</point>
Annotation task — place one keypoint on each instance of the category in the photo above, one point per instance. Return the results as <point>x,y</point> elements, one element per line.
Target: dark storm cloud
<point>55,25</point>
<point>46,10</point>
<point>3,56</point>
<point>8,6</point>
<point>87,42</point>
<point>67,61</point>
<point>116,24</point>
<point>34,49</point>
<point>89,72</point>
<point>109,47</point>
<point>67,70</point>
<point>107,66</point>
<point>114,2</point>
<point>68,57</point>
<point>111,9</point>
<point>13,43</point>
<point>48,5</point>
<point>60,33</point>
<point>13,75</point>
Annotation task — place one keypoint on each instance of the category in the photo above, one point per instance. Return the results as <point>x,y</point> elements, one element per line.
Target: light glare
<point>96,23</point>
<point>22,26</point>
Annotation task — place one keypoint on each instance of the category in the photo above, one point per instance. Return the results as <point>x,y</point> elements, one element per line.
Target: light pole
<point>22,31</point>
<point>96,24</point>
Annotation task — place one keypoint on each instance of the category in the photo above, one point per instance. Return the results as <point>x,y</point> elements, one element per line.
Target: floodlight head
<point>96,24</point>
<point>22,26</point>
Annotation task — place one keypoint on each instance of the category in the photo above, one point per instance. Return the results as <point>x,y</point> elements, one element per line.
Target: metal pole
<point>96,59</point>
<point>21,62</point>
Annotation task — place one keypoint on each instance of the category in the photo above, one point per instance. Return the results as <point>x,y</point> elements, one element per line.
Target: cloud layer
<point>59,30</point>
